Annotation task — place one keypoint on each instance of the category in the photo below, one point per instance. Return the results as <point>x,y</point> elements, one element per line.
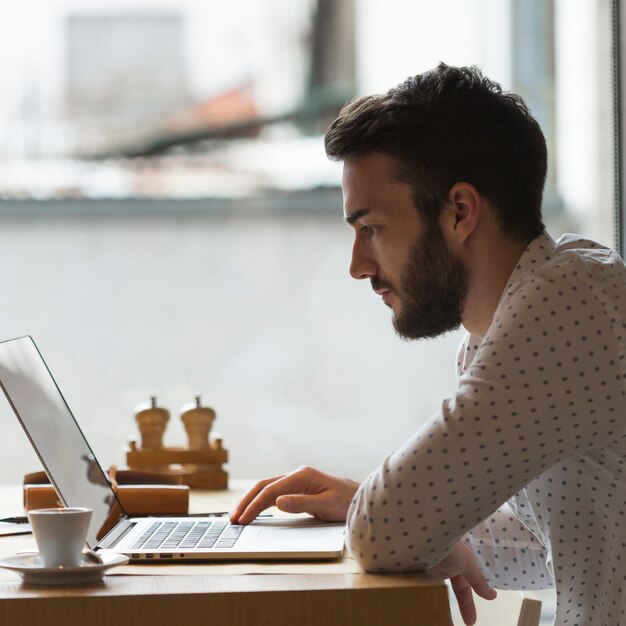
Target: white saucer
<point>30,568</point>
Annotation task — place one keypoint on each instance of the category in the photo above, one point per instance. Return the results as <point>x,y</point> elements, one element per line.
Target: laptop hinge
<point>116,534</point>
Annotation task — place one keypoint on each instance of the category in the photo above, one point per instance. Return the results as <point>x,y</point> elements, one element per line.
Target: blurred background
<point>170,226</point>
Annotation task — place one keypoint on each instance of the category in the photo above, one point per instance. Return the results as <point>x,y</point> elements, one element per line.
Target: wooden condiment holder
<point>199,465</point>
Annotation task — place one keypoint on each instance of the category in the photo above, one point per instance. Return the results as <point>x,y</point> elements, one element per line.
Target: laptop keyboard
<point>189,535</point>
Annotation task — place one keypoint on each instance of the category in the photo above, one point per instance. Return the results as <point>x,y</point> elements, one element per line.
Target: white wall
<point>584,116</point>
<point>258,315</point>
<point>397,39</point>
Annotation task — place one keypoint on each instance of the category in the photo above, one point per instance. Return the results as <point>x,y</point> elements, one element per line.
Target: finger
<point>486,592</point>
<point>322,505</point>
<point>476,579</point>
<point>266,497</point>
<point>249,497</point>
<point>463,592</point>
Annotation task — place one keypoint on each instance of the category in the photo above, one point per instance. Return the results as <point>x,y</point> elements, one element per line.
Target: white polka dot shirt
<point>525,463</point>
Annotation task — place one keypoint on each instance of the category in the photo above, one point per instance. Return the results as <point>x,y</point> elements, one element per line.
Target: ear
<point>462,211</point>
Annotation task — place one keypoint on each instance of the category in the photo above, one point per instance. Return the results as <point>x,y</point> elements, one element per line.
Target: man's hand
<point>461,568</point>
<point>305,490</point>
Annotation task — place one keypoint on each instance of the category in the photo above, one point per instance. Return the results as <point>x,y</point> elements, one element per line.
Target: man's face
<point>403,254</point>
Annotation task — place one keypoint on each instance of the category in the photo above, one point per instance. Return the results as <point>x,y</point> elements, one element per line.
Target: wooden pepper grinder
<point>152,421</point>
<point>198,421</point>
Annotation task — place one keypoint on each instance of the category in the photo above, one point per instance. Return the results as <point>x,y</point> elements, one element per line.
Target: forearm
<point>388,529</point>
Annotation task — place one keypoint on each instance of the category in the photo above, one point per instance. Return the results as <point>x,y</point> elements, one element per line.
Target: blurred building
<point>123,71</point>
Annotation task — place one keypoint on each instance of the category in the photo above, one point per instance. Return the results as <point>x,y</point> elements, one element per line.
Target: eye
<point>369,229</point>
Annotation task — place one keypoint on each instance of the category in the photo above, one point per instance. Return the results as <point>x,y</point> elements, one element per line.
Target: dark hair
<point>451,125</point>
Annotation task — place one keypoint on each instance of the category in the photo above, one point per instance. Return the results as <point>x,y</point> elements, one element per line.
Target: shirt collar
<point>538,251</point>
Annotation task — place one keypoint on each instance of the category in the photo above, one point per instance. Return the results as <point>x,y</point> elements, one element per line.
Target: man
<point>518,480</point>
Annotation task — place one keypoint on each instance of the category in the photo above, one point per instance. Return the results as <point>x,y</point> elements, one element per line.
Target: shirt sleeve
<point>510,555</point>
<point>534,394</point>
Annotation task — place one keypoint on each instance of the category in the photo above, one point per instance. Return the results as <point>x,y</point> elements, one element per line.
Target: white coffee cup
<point>60,534</point>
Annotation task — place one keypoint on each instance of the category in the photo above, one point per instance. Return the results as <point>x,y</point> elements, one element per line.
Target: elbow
<point>377,550</point>
<point>366,548</point>
<point>383,541</point>
<point>383,556</point>
<point>370,559</point>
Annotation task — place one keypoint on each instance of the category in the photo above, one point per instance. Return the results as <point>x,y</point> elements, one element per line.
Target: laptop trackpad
<point>287,533</point>
<point>299,530</point>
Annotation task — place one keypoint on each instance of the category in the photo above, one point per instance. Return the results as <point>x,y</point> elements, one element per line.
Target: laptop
<point>79,480</point>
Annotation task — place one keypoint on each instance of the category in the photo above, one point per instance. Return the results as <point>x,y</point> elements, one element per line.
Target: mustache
<point>378,284</point>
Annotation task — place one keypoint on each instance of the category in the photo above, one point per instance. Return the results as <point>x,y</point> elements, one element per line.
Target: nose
<point>362,264</point>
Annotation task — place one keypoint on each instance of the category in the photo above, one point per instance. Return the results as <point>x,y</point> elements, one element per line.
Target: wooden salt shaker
<point>152,421</point>
<point>198,421</point>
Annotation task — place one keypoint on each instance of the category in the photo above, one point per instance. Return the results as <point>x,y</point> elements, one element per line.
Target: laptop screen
<point>55,435</point>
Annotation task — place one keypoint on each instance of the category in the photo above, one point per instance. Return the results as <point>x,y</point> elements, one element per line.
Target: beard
<point>433,289</point>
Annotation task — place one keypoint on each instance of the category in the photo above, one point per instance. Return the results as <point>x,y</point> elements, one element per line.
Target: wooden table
<point>224,600</point>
